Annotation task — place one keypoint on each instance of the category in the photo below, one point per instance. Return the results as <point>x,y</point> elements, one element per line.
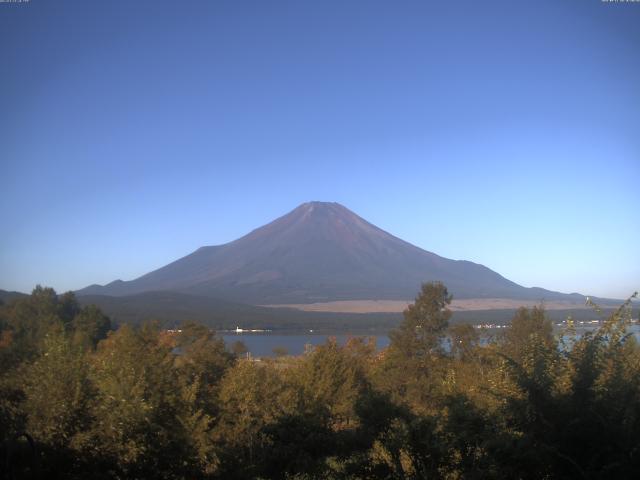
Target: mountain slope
<point>319,252</point>
<point>171,309</point>
<point>6,297</point>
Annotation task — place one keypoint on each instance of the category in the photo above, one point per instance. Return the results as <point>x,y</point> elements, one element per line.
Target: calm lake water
<point>262,344</point>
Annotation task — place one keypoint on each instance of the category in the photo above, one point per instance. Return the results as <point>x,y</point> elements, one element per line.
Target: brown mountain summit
<point>320,252</point>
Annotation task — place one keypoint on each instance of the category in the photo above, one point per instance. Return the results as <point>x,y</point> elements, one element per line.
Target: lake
<point>262,344</point>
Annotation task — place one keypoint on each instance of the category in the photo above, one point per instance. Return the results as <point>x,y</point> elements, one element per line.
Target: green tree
<point>138,406</point>
<point>202,354</point>
<point>68,308</point>
<point>414,365</point>
<point>90,325</point>
<point>525,324</point>
<point>29,319</point>
<point>331,381</point>
<point>58,392</point>
<point>239,348</point>
<point>464,340</point>
<point>425,322</point>
<point>200,366</point>
<point>252,397</point>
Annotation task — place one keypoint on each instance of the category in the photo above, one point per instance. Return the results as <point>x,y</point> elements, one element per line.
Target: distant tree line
<point>81,400</point>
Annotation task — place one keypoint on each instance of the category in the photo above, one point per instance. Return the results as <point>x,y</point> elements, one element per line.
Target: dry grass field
<point>394,306</point>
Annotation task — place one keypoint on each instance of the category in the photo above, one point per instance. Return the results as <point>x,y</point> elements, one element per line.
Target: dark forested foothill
<point>79,399</point>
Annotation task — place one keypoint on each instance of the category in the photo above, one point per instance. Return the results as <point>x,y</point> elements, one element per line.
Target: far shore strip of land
<point>395,306</point>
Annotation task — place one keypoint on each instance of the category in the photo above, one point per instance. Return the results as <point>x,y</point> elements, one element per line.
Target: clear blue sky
<point>502,132</point>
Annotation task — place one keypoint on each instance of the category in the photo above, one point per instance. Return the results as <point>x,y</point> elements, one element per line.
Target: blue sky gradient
<point>502,132</point>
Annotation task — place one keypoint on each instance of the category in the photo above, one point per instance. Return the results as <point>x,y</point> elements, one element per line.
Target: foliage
<point>142,402</point>
<point>425,322</point>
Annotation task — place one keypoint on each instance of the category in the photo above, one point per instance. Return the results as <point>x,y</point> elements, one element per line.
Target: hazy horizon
<point>506,134</point>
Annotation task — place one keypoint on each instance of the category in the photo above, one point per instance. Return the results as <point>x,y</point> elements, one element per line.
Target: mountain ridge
<point>320,251</point>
